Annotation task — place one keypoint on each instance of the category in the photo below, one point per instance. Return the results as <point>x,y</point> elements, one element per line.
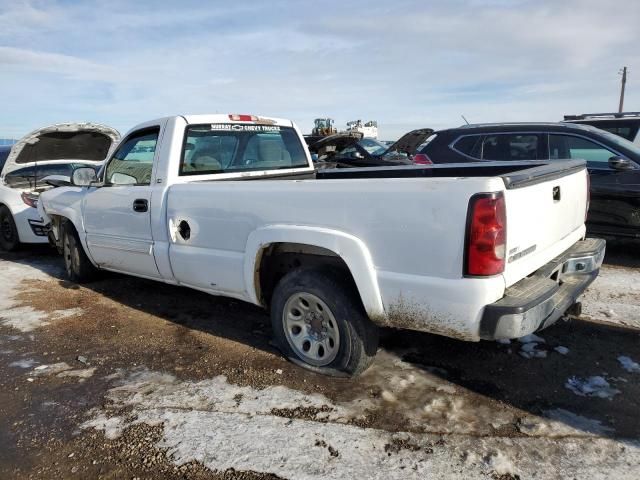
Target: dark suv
<point>613,162</point>
<point>625,124</point>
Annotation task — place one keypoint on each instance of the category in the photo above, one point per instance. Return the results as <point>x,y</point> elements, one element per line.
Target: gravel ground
<point>127,378</point>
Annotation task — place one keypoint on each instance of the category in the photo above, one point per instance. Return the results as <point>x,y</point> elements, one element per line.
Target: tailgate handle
<point>556,193</point>
<point>140,205</point>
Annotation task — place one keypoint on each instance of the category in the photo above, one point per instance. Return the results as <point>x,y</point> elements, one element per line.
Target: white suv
<point>44,157</point>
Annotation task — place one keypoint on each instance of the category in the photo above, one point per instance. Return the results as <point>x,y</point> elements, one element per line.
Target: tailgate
<point>545,215</point>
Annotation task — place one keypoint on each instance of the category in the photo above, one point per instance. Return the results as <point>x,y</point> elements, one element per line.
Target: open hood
<point>61,143</point>
<point>410,142</point>
<point>328,146</point>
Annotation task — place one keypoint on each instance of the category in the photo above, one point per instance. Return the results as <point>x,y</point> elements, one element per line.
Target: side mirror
<point>356,154</point>
<point>83,176</point>
<point>619,163</point>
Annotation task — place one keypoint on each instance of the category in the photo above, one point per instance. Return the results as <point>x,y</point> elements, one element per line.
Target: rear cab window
<point>232,147</point>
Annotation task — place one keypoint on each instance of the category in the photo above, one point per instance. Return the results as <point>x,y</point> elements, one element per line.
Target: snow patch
<point>69,312</point>
<point>595,386</point>
<point>12,313</point>
<point>26,363</point>
<point>24,319</point>
<point>81,373</point>
<point>51,369</point>
<point>531,338</point>
<point>628,364</point>
<point>561,423</point>
<point>614,297</point>
<point>424,399</point>
<point>500,464</point>
<point>528,350</point>
<point>111,426</point>
<point>63,370</point>
<point>227,426</point>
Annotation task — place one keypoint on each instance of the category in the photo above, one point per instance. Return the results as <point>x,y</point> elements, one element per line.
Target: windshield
<point>31,177</point>
<point>373,147</point>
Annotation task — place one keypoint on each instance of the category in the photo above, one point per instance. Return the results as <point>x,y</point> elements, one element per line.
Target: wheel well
<point>58,224</point>
<point>278,259</point>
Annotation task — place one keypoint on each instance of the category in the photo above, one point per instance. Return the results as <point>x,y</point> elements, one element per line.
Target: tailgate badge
<point>556,193</point>
<point>515,255</point>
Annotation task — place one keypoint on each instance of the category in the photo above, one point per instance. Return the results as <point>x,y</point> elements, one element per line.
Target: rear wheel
<point>9,239</point>
<point>77,265</point>
<point>319,323</point>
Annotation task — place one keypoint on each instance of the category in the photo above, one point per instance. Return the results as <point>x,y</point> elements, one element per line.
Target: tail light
<point>30,199</point>
<point>486,239</point>
<point>586,211</point>
<point>243,118</point>
<point>422,159</point>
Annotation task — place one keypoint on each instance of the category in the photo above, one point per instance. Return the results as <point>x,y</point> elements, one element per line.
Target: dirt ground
<point>128,378</point>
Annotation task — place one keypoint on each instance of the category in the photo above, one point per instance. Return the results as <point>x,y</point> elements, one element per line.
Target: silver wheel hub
<point>311,329</point>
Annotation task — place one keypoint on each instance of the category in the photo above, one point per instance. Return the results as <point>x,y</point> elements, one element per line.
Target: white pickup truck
<point>231,205</point>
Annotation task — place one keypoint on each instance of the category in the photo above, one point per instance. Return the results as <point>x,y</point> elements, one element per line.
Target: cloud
<point>18,59</point>
<point>405,63</point>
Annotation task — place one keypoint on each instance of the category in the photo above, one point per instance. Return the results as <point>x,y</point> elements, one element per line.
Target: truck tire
<point>77,265</point>
<point>319,323</point>
<point>9,239</point>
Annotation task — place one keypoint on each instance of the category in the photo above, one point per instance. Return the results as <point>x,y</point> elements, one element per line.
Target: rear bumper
<point>540,300</point>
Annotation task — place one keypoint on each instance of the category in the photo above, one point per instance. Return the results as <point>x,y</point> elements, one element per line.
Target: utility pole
<point>622,72</point>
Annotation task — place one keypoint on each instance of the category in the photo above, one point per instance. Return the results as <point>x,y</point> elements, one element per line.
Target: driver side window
<point>132,163</point>
<point>567,146</point>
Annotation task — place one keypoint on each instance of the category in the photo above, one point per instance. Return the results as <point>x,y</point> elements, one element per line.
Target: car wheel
<point>9,239</point>
<point>77,265</point>
<point>319,323</point>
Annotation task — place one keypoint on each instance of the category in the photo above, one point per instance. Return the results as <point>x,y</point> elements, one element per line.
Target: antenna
<point>465,120</point>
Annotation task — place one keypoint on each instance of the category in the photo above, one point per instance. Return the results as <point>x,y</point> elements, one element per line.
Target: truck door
<point>117,214</point>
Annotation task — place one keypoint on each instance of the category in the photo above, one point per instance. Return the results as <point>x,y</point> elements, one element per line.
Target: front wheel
<point>77,265</point>
<point>319,323</point>
<point>9,239</point>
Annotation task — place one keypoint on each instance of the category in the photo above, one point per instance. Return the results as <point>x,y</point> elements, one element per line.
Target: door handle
<point>140,205</point>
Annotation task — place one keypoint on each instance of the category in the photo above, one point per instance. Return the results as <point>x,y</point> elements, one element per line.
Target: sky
<point>406,64</point>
